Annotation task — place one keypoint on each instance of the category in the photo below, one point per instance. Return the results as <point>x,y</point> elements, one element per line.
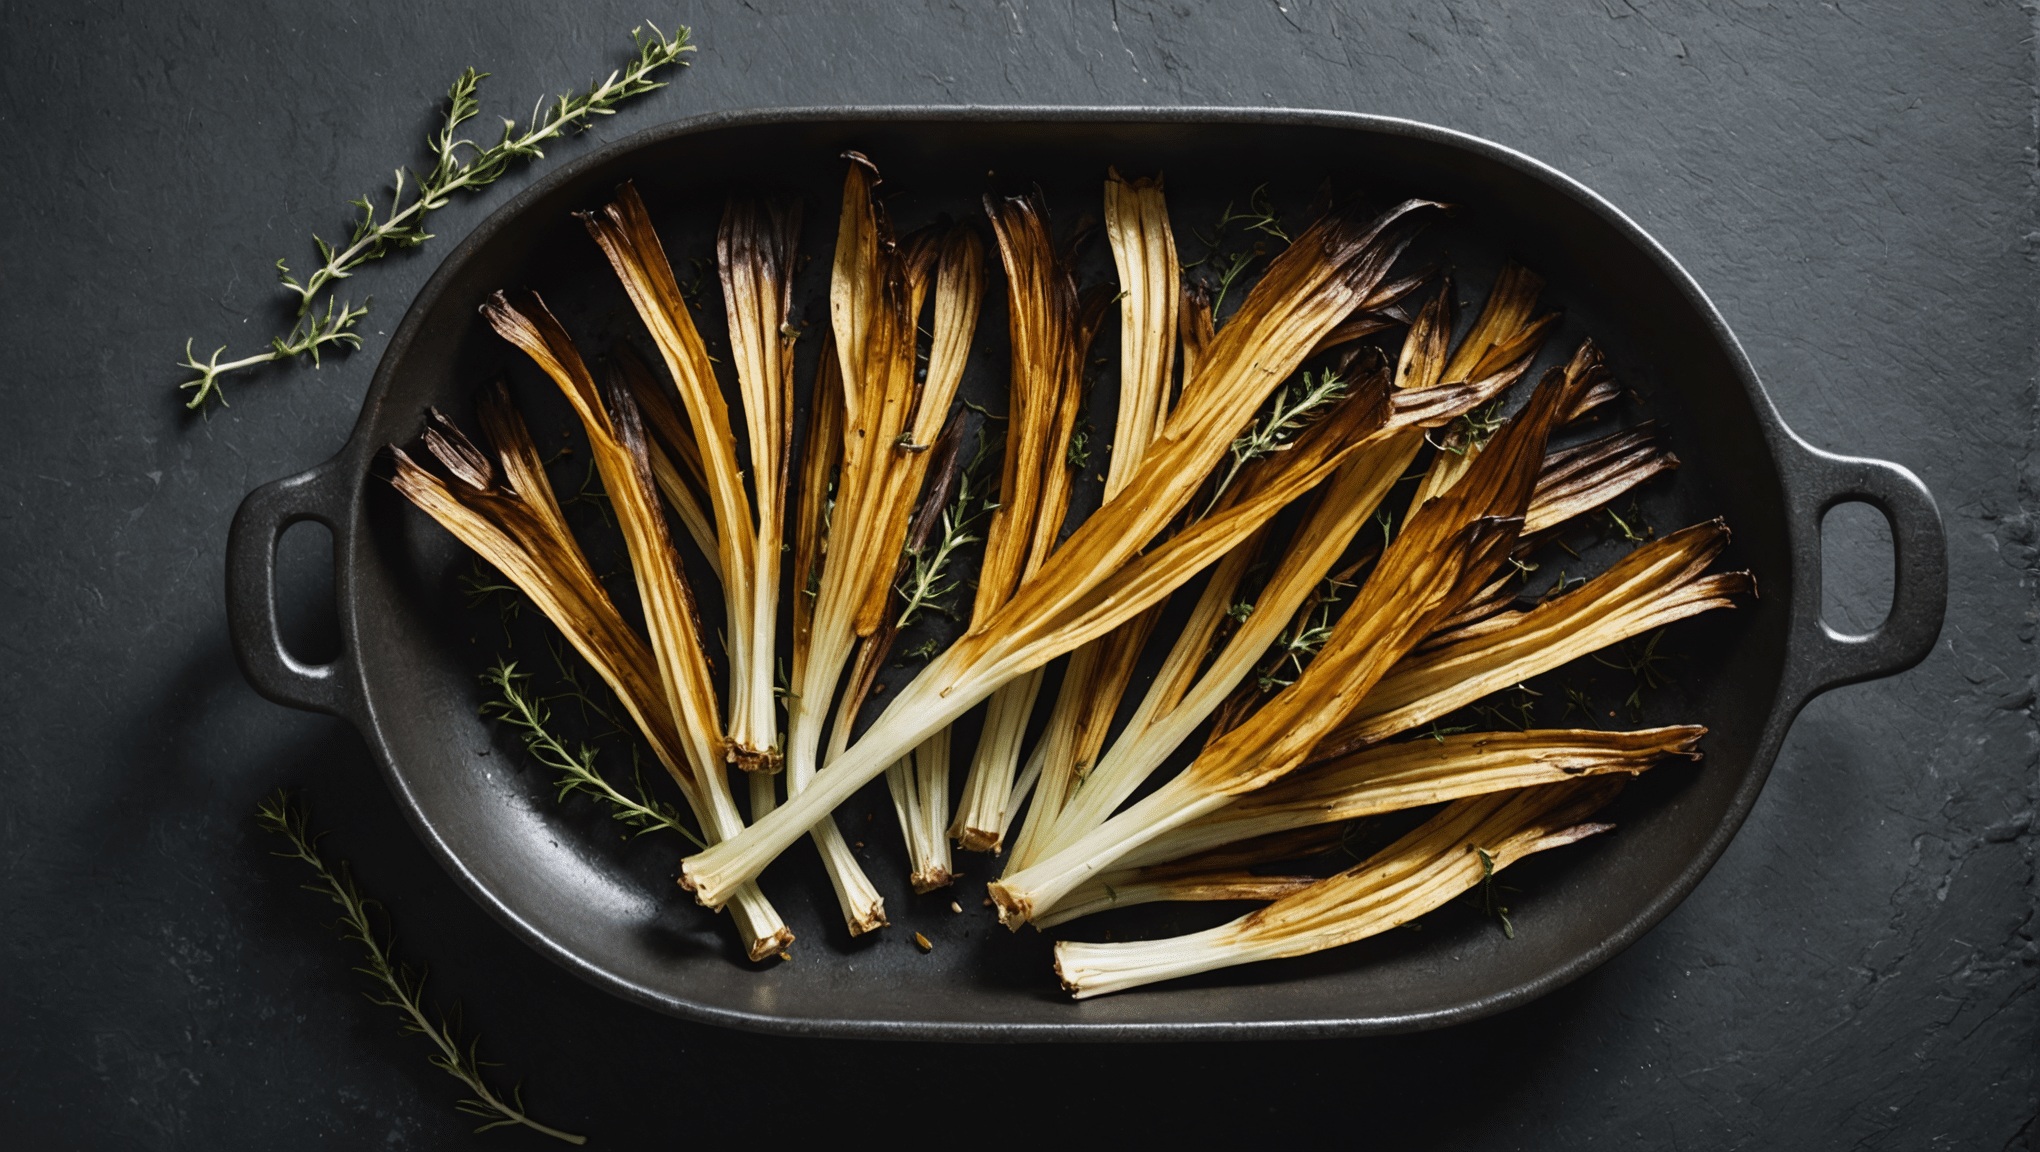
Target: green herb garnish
<point>459,165</point>
<point>401,987</point>
<point>530,716</point>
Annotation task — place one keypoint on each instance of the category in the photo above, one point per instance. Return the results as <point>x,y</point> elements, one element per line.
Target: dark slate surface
<point>1851,182</point>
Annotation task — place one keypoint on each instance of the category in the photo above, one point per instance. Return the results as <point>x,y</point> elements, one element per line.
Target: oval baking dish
<point>610,912</point>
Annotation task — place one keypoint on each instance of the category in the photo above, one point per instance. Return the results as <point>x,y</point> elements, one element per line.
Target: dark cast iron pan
<point>559,876</point>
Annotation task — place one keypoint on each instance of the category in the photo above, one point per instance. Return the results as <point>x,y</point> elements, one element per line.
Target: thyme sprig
<point>529,715</point>
<point>1277,430</point>
<point>310,334</point>
<point>1259,216</point>
<point>929,585</point>
<point>1301,641</point>
<point>484,585</point>
<point>401,988</point>
<point>1643,665</point>
<point>459,164</point>
<point>1470,432</point>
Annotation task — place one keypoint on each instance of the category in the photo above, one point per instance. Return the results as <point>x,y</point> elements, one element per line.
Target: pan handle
<point>320,495</point>
<point>1816,481</point>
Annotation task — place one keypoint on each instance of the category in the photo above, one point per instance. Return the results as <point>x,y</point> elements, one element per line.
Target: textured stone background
<point>1853,183</point>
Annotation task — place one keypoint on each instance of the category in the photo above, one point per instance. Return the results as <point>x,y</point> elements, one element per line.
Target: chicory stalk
<point>875,431</point>
<point>755,253</point>
<point>623,229</point>
<point>1503,339</point>
<point>919,784</point>
<point>1144,252</point>
<point>1051,335</point>
<point>1393,777</point>
<point>1174,708</point>
<point>676,467</point>
<point>1662,581</point>
<point>1453,852</point>
<point>1345,506</point>
<point>511,518</point>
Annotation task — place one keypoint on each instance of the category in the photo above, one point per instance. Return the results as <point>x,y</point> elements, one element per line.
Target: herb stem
<point>1285,420</point>
<point>403,989</point>
<point>450,175</point>
<point>304,339</point>
<point>529,716</point>
<point>929,585</point>
<point>372,239</point>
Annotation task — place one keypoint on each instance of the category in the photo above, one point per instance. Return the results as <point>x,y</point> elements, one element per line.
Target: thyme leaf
<point>1519,713</point>
<point>1078,457</point>
<point>1259,216</point>
<point>923,651</point>
<point>1286,418</point>
<point>1578,701</point>
<point>1632,527</point>
<point>1440,733</point>
<point>1471,431</point>
<point>1301,641</point>
<point>1487,893</point>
